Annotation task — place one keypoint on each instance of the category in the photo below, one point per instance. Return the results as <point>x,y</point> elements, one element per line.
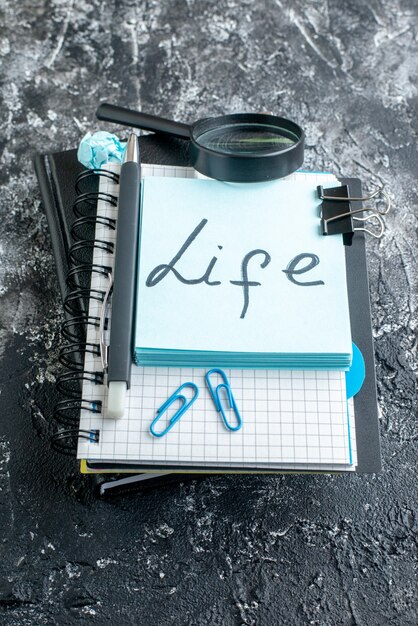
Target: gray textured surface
<point>231,550</point>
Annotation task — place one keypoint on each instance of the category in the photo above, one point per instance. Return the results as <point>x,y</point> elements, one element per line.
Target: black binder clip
<point>339,217</point>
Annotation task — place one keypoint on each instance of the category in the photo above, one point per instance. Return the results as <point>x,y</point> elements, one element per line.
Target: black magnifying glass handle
<point>127,117</point>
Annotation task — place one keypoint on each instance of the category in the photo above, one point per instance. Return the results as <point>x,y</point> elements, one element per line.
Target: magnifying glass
<point>243,147</point>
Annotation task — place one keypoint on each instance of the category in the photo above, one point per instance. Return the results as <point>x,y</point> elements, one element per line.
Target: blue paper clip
<point>186,404</point>
<point>215,393</point>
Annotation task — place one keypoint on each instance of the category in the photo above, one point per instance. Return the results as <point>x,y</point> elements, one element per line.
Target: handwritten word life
<point>293,269</point>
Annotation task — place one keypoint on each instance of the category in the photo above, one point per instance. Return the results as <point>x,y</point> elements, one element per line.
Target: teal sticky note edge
<point>354,378</point>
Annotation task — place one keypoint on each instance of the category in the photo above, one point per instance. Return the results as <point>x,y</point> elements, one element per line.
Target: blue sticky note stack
<point>239,275</point>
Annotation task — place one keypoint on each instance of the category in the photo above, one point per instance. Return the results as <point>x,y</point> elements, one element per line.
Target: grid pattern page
<point>312,467</point>
<point>291,419</point>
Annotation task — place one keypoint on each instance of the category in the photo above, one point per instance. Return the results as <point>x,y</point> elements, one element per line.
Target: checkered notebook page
<point>292,420</point>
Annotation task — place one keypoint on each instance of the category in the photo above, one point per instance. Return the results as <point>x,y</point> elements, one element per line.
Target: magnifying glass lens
<point>247,139</point>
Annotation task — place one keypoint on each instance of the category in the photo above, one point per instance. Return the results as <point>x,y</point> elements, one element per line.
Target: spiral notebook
<point>295,420</point>
<point>57,175</point>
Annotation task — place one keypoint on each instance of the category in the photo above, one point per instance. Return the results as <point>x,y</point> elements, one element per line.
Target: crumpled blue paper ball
<point>100,148</point>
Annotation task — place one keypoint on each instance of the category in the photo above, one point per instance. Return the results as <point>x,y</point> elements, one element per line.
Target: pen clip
<point>219,404</point>
<point>104,343</point>
<point>185,405</point>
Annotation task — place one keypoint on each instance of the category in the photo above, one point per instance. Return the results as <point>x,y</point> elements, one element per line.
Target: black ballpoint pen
<point>124,280</point>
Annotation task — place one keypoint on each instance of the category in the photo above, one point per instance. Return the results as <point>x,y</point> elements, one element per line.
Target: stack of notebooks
<point>239,276</point>
<point>259,293</point>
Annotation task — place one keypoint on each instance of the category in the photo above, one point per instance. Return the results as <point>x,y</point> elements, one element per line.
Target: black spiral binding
<point>76,306</point>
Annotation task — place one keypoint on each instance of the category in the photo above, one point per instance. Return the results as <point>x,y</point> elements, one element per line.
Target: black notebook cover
<point>57,174</point>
